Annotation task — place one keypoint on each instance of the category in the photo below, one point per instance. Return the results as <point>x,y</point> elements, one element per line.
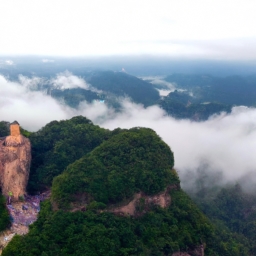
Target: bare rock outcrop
<point>15,158</point>
<point>141,203</point>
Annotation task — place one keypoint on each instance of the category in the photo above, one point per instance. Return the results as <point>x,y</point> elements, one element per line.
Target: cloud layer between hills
<point>222,147</point>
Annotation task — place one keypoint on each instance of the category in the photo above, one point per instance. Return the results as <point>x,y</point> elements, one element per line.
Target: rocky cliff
<point>15,158</point>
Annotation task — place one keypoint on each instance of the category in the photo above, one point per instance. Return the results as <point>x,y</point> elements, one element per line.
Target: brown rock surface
<point>15,158</point>
<point>22,215</point>
<point>162,199</point>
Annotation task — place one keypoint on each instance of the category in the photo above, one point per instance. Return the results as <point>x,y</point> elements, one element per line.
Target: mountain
<point>230,208</point>
<point>182,105</point>
<point>231,90</point>
<point>208,94</point>
<point>124,85</point>
<point>109,87</point>
<point>196,97</point>
<point>59,144</point>
<point>129,162</point>
<point>113,193</point>
<point>74,96</point>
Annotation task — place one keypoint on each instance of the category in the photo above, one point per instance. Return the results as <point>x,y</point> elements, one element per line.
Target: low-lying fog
<point>222,147</point>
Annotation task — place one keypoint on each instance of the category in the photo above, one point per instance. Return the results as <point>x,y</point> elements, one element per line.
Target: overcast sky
<point>181,28</point>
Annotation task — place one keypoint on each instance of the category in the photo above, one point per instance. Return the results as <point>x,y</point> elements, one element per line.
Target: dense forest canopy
<point>159,232</point>
<point>131,161</point>
<point>98,169</point>
<point>82,163</point>
<point>230,208</point>
<point>58,144</point>
<point>91,171</point>
<point>123,84</point>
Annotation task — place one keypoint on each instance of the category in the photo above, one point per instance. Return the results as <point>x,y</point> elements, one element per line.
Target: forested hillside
<point>59,144</point>
<point>232,209</point>
<point>124,85</point>
<point>181,105</point>
<point>231,90</point>
<point>130,161</point>
<point>95,172</point>
<point>192,96</point>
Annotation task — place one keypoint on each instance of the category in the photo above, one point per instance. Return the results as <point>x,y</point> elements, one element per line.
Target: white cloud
<point>225,143</point>
<point>159,80</point>
<point>96,111</point>
<point>164,92</point>
<point>166,87</point>
<point>33,109</point>
<point>66,80</point>
<point>31,83</point>
<point>9,62</point>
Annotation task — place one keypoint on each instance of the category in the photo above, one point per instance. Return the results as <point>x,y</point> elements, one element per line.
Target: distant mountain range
<point>194,96</point>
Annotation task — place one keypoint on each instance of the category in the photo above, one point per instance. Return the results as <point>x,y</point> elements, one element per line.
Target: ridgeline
<point>113,193</point>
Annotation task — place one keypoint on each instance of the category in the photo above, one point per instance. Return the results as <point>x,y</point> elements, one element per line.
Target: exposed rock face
<point>141,203</point>
<point>15,158</point>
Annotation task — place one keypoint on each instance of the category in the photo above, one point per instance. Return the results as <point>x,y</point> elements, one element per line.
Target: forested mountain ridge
<point>122,84</point>
<point>131,161</point>
<point>58,144</point>
<point>205,94</point>
<point>181,105</point>
<point>96,171</point>
<point>208,94</point>
<point>107,86</point>
<point>230,90</point>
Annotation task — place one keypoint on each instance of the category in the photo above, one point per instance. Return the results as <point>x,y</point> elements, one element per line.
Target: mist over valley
<point>208,121</point>
<point>127,128</point>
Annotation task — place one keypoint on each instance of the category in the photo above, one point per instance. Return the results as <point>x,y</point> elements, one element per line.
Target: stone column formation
<point>15,158</point>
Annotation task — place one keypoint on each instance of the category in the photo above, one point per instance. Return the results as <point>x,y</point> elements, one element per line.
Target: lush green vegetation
<point>4,129</point>
<point>57,145</point>
<point>232,210</point>
<point>130,161</point>
<point>182,105</point>
<point>180,227</point>
<point>123,163</point>
<point>211,95</point>
<point>4,215</point>
<point>159,232</point>
<point>98,170</point>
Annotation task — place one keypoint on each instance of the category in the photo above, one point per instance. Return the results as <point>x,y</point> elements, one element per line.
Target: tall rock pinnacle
<point>15,158</point>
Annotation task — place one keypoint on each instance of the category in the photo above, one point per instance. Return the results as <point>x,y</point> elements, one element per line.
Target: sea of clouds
<point>221,147</point>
